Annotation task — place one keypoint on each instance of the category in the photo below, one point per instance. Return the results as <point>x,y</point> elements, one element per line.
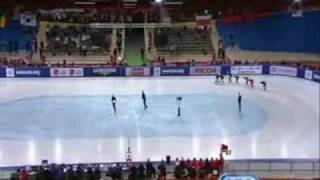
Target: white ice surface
<point>290,130</point>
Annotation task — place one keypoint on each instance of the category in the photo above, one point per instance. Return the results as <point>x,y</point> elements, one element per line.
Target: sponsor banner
<point>308,74</point>
<point>103,71</point>
<point>138,71</point>
<point>66,72</point>
<point>31,72</point>
<point>225,69</point>
<point>156,71</point>
<point>316,76</point>
<point>2,72</point>
<point>174,71</point>
<point>246,70</point>
<point>10,72</point>
<point>266,69</point>
<point>204,70</point>
<point>282,70</point>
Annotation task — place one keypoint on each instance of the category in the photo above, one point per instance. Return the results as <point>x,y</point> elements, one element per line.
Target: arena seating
<point>17,38</point>
<point>182,40</point>
<point>74,40</point>
<point>277,33</point>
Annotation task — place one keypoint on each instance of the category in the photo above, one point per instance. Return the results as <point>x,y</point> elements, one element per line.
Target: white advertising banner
<point>281,70</point>
<point>246,70</point>
<point>66,72</point>
<point>204,70</point>
<point>10,72</point>
<point>308,74</point>
<point>137,71</point>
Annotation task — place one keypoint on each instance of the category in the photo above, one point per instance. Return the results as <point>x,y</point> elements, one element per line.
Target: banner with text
<point>66,72</point>
<point>174,71</point>
<point>10,72</point>
<point>282,70</point>
<point>204,70</point>
<point>316,76</point>
<point>138,71</point>
<point>2,72</point>
<point>103,71</point>
<point>308,74</point>
<point>246,70</point>
<point>32,72</point>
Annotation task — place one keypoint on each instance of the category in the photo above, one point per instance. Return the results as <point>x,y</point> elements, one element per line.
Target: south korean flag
<point>28,19</point>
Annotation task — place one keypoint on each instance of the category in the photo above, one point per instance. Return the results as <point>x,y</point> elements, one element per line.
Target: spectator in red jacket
<point>24,175</point>
<point>200,163</point>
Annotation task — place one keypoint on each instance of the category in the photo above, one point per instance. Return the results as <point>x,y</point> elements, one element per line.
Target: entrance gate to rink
<point>275,168</point>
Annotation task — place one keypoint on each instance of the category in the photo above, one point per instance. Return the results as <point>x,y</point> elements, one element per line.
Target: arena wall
<point>159,71</point>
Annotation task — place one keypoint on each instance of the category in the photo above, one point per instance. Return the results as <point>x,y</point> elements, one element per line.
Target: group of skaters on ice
<point>249,81</point>
<point>219,79</point>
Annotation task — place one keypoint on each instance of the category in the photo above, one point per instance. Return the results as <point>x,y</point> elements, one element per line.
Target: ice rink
<point>72,121</point>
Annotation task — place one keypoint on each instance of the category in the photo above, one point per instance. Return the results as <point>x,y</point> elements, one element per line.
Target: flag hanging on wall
<point>204,20</point>
<point>4,22</point>
<point>27,19</point>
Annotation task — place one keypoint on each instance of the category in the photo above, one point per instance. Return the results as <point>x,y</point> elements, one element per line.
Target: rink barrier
<point>161,71</point>
<point>236,166</point>
<point>2,72</point>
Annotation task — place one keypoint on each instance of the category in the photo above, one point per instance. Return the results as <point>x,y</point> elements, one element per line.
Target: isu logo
<point>55,72</point>
<point>71,72</point>
<point>137,71</point>
<point>205,70</point>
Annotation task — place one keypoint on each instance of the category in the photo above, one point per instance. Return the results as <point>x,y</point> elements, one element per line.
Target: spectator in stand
<point>162,171</point>
<point>200,164</point>
<point>221,163</point>
<point>141,172</point>
<point>150,170</point>
<point>97,173</point>
<point>35,46</point>
<point>133,175</point>
<point>207,166</point>
<point>23,175</point>
<point>163,62</point>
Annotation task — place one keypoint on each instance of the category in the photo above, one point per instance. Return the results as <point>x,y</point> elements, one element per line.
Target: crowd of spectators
<point>77,40</point>
<point>138,171</point>
<point>86,16</point>
<point>131,171</point>
<point>175,40</point>
<point>15,62</point>
<point>58,172</point>
<point>198,168</point>
<point>118,171</point>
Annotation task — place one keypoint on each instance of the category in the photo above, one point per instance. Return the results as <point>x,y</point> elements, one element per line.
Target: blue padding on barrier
<point>225,69</point>
<point>265,69</point>
<point>2,72</point>
<point>301,73</point>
